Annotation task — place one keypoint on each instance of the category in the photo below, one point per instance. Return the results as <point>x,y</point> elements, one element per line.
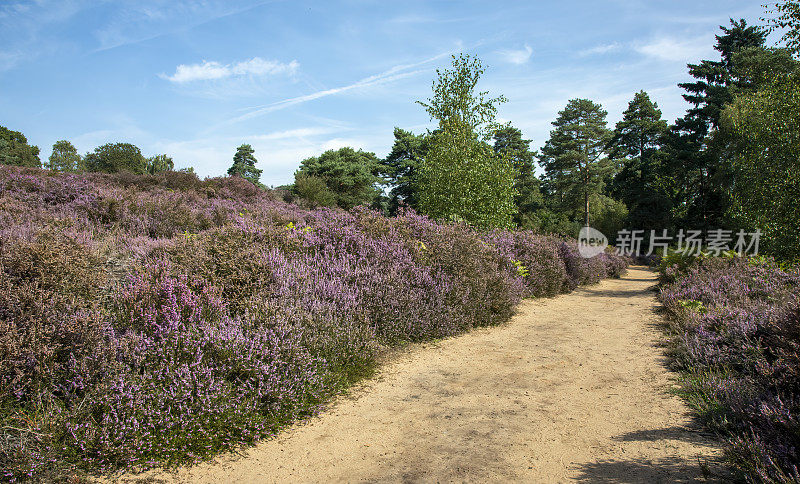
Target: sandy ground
<point>573,388</point>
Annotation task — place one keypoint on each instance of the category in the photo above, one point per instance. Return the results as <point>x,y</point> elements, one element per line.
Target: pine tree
<point>400,168</point>
<point>244,165</point>
<point>574,158</point>
<point>640,183</point>
<point>695,154</point>
<point>351,175</point>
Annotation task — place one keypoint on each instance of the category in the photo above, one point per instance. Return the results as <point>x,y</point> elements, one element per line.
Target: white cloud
<point>601,49</point>
<point>518,57</point>
<point>678,50</point>
<point>336,143</point>
<point>206,70</point>
<point>279,153</point>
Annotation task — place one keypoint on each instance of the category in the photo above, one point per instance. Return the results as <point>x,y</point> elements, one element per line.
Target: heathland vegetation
<point>151,317</point>
<point>735,335</point>
<point>160,318</point>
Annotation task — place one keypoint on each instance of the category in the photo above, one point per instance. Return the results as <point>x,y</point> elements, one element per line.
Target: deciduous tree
<point>64,157</point>
<point>694,151</point>
<point>15,150</point>
<point>159,164</point>
<point>313,190</point>
<point>763,131</point>
<point>116,157</point>
<point>786,17</point>
<point>462,177</point>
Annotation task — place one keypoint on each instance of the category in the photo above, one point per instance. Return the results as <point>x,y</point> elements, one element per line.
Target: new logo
<point>591,242</point>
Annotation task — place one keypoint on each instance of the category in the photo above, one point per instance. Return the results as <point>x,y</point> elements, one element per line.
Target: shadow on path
<point>621,293</point>
<point>669,469</point>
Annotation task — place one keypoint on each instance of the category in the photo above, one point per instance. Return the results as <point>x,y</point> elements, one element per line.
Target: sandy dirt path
<point>573,388</point>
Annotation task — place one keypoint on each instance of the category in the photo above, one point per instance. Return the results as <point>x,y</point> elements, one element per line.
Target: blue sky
<point>293,78</point>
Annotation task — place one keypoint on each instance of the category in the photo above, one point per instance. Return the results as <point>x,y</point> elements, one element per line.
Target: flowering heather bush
<point>150,320</point>
<point>187,368</point>
<point>737,336</point>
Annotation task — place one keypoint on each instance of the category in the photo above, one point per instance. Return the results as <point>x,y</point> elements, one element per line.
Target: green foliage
<point>714,79</point>
<point>313,190</point>
<point>788,19</point>
<point>64,157</point>
<point>159,164</point>
<point>350,175</point>
<point>547,221</point>
<point>674,265</point>
<point>692,305</point>
<point>244,165</point>
<point>574,157</point>
<point>114,158</point>
<point>522,271</point>
<point>15,150</point>
<point>637,145</point>
<point>764,130</point>
<point>508,142</point>
<point>462,178</point>
<point>697,157</point>
<point>400,168</point>
<point>609,215</point>
<point>755,67</point>
<point>637,136</point>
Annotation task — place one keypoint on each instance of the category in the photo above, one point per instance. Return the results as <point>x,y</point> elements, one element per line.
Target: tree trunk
<point>586,204</point>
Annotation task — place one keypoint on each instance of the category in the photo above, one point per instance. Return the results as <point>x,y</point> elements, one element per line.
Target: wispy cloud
<point>518,56</point>
<point>395,73</point>
<point>298,133</point>
<point>28,30</point>
<point>9,9</point>
<point>366,82</point>
<point>416,19</point>
<point>9,60</point>
<point>677,50</point>
<point>214,70</point>
<point>601,49</point>
<point>134,22</point>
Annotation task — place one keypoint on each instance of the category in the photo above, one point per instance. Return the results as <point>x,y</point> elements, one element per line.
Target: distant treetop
<point>15,150</point>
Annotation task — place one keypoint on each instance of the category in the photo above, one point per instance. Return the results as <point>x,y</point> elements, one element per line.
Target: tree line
<point>732,161</point>
<point>108,158</point>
